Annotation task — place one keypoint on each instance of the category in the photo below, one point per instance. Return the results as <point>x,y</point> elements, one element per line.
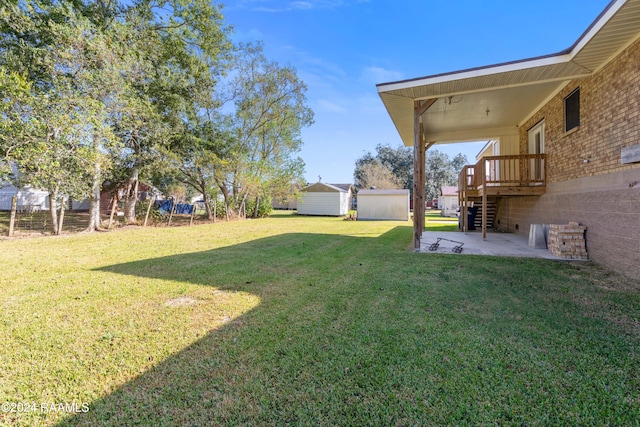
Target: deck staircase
<point>492,209</point>
<point>496,177</point>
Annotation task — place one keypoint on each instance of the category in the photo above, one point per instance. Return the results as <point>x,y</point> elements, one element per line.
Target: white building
<point>325,199</point>
<point>448,201</point>
<point>28,198</point>
<point>383,205</point>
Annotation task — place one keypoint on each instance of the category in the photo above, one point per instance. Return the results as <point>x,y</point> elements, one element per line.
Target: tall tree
<point>361,163</point>
<point>58,122</point>
<point>375,175</point>
<point>440,169</point>
<point>399,161</point>
<point>15,90</point>
<point>458,162</point>
<point>198,157</point>
<point>146,71</point>
<point>175,52</point>
<point>270,110</point>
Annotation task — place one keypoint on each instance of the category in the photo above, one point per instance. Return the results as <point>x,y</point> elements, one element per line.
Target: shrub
<point>264,209</point>
<point>141,211</point>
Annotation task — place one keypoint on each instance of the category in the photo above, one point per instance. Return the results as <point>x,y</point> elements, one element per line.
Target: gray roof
<point>381,192</point>
<point>324,187</point>
<point>345,187</point>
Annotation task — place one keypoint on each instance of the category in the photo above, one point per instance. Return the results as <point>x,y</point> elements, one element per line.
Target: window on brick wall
<point>572,110</point>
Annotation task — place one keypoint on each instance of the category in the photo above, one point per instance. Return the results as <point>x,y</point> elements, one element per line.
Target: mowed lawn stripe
<point>310,321</point>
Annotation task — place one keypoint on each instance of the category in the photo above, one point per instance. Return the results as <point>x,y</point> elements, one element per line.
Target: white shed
<point>325,199</point>
<point>28,198</point>
<point>383,205</point>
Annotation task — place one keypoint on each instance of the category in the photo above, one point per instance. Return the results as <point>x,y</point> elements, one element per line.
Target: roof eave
<point>473,72</point>
<point>561,57</point>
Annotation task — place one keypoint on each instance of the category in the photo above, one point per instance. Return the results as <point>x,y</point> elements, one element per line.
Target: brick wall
<point>609,121</point>
<point>601,194</point>
<point>610,213</point>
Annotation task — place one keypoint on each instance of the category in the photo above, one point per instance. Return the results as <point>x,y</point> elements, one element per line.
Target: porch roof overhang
<point>488,102</point>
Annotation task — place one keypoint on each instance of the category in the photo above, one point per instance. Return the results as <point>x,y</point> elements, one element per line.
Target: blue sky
<point>343,48</point>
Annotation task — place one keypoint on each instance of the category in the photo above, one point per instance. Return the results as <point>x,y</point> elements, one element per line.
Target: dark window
<point>572,110</point>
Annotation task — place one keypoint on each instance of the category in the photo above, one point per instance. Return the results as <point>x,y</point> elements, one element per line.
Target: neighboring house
<point>145,191</point>
<point>448,201</point>
<point>28,198</point>
<point>567,136</point>
<point>291,203</point>
<point>325,199</point>
<point>34,200</point>
<point>383,205</point>
<point>199,199</point>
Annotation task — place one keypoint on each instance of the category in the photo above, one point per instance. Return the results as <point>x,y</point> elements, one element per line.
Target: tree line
<point>391,168</point>
<point>119,91</point>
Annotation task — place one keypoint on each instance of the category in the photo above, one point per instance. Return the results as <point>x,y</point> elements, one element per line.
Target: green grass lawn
<point>308,321</point>
<point>436,222</point>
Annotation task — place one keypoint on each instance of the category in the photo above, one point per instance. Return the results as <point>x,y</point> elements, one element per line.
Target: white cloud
<point>331,107</point>
<point>315,65</point>
<point>301,5</point>
<point>269,10</point>
<point>380,75</point>
<point>278,6</point>
<point>251,35</point>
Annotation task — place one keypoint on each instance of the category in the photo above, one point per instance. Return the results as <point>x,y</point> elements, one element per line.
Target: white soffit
<point>510,91</point>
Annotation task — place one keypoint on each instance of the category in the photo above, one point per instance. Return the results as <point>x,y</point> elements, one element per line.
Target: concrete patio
<point>496,244</point>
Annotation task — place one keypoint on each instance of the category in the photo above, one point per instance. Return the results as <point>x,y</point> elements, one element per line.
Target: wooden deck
<point>508,191</point>
<point>500,176</point>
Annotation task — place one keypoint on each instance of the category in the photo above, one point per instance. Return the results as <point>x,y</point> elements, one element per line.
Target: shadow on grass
<point>360,331</point>
<point>236,374</point>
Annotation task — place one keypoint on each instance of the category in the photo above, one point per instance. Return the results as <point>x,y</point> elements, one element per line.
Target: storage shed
<point>325,199</point>
<point>383,205</point>
<point>28,198</point>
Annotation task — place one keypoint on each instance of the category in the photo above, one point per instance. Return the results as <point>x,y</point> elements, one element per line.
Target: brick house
<point>145,191</point>
<point>566,132</point>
